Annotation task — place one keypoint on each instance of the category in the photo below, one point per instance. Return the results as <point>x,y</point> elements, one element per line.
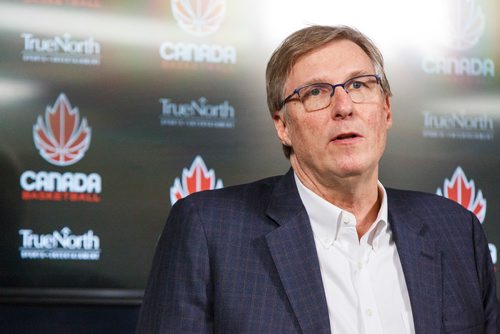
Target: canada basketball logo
<point>60,137</point>
<point>199,17</point>
<point>463,191</point>
<point>197,178</point>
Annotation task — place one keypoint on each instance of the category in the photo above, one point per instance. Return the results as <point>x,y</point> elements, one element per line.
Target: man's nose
<point>342,105</point>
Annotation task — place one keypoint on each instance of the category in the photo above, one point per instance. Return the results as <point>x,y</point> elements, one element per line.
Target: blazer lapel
<point>294,253</point>
<point>421,263</point>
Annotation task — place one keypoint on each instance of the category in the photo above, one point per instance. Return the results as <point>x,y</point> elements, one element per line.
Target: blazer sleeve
<point>486,277</point>
<point>178,297</point>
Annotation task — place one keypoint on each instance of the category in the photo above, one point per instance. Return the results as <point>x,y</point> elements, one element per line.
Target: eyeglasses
<point>316,96</point>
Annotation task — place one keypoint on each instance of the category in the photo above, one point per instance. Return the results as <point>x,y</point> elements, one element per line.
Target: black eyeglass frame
<point>297,90</point>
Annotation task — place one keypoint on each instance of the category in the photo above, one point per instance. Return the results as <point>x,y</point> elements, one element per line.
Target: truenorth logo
<point>62,139</point>
<point>199,17</point>
<point>61,50</point>
<point>199,114</point>
<point>458,126</point>
<point>194,179</point>
<point>59,245</point>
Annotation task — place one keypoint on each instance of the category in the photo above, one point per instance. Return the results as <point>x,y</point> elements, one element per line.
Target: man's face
<point>344,139</point>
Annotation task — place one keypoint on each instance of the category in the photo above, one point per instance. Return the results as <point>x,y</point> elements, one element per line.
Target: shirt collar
<point>326,218</point>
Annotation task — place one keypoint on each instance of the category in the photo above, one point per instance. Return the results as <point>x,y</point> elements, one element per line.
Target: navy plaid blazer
<point>243,260</point>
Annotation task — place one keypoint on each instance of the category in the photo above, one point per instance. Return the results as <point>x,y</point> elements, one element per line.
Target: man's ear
<point>388,112</point>
<point>281,126</point>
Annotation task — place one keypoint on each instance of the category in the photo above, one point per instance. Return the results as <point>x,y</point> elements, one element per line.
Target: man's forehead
<point>335,61</point>
<point>337,46</point>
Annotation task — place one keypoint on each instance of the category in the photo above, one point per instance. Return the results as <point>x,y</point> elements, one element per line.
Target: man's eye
<point>315,92</point>
<point>357,85</point>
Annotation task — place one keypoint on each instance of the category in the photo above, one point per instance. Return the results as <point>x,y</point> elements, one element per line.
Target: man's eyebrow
<point>347,77</point>
<point>314,80</point>
<point>358,73</point>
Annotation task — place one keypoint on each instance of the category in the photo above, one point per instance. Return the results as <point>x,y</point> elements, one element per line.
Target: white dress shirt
<point>363,279</point>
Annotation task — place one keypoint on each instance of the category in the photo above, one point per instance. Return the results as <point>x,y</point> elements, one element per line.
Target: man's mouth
<point>345,136</point>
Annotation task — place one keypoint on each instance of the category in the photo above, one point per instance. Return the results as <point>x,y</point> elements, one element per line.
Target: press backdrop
<point>110,111</point>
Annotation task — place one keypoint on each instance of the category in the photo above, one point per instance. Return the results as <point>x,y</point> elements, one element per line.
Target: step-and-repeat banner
<point>110,111</point>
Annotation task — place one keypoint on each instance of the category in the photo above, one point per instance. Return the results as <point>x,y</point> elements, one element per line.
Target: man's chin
<point>351,170</point>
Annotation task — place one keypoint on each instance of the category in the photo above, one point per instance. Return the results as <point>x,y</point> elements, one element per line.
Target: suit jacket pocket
<point>463,321</point>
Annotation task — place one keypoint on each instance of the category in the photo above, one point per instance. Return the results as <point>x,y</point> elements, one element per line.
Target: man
<point>324,248</point>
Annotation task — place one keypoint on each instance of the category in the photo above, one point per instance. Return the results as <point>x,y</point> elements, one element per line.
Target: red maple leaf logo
<point>194,179</point>
<point>62,139</point>
<point>463,191</point>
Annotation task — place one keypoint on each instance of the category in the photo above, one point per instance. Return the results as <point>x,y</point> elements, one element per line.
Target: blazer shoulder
<point>238,195</point>
<point>236,211</point>
<point>424,201</point>
<point>439,213</point>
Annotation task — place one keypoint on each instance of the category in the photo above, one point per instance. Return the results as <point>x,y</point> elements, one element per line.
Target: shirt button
<point>369,312</point>
<point>360,265</point>
<point>346,220</point>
